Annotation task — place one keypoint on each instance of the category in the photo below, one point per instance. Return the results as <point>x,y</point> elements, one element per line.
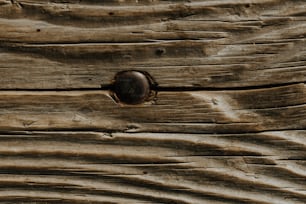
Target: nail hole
<point>160,51</point>
<point>111,13</point>
<point>37,30</point>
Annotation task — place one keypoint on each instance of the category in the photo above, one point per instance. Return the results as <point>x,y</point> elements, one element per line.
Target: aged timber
<point>227,124</point>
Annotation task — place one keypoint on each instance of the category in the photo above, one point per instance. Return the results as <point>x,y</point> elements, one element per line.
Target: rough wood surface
<point>227,125</point>
<point>81,167</point>
<point>47,45</point>
<point>188,111</point>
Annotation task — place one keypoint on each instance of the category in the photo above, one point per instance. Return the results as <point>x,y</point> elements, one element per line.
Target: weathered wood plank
<point>102,167</point>
<point>191,111</point>
<point>204,44</point>
<point>227,125</point>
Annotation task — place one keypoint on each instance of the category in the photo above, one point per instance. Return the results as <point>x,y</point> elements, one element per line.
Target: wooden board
<point>81,167</point>
<point>197,44</point>
<point>280,108</point>
<point>227,124</point>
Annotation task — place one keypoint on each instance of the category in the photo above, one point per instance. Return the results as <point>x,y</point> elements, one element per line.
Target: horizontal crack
<point>110,87</point>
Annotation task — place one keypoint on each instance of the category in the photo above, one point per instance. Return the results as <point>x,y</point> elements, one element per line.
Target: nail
<point>132,87</point>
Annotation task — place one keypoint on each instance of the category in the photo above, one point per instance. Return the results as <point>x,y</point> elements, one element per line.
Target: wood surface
<point>227,124</point>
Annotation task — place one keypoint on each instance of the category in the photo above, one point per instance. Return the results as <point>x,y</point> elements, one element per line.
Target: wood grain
<point>227,124</point>
<point>81,167</point>
<point>188,111</point>
<point>217,44</point>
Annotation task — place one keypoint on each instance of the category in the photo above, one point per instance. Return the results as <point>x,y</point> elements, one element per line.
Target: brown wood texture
<point>227,124</point>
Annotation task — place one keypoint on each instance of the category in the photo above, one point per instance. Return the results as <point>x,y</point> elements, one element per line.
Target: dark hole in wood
<point>160,51</point>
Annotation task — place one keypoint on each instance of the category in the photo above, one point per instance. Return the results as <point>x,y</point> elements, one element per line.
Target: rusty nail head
<point>132,87</point>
